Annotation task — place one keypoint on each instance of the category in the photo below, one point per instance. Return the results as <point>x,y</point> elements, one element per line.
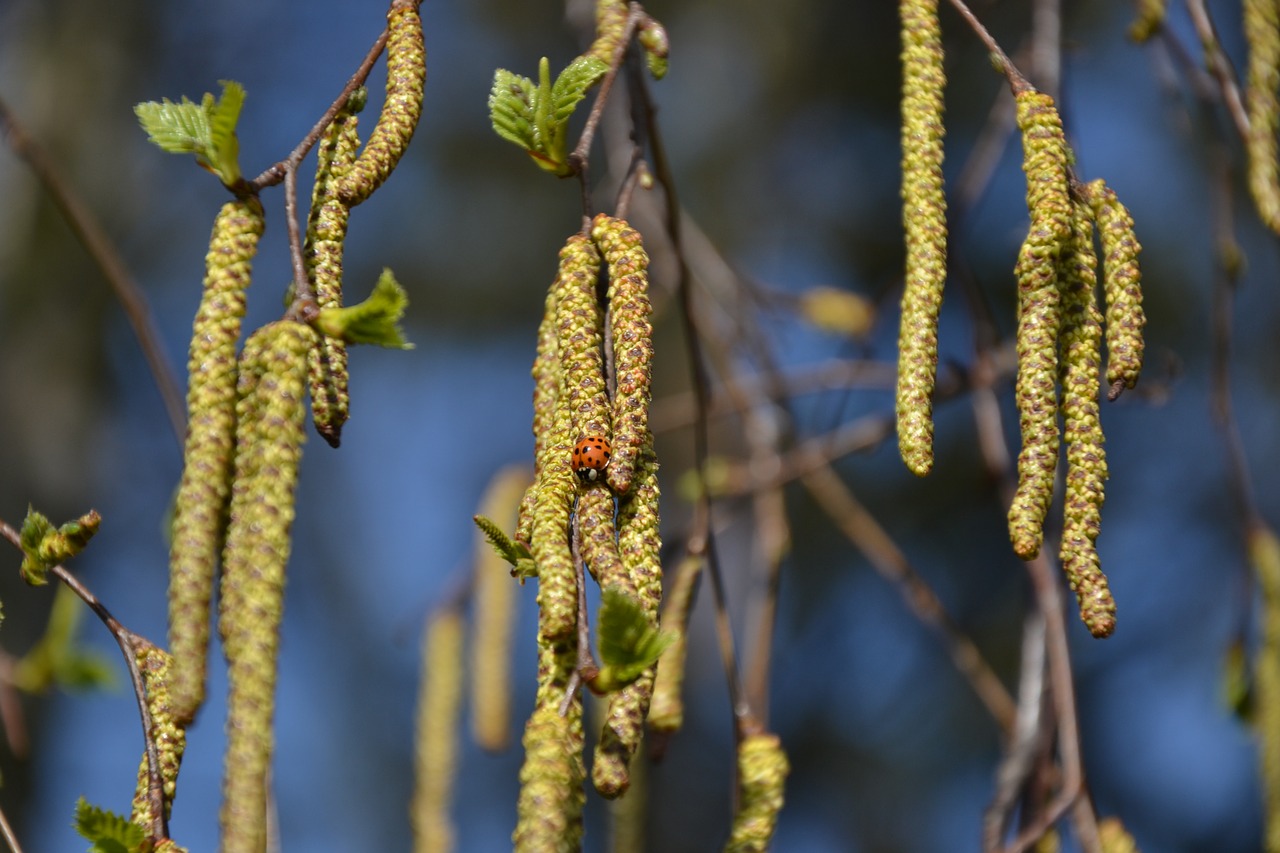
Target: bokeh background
<point>781,122</point>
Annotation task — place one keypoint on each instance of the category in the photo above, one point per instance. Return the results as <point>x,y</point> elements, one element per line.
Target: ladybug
<point>590,455</point>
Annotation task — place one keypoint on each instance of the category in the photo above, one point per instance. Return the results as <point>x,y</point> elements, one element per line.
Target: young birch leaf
<point>511,108</point>
<point>628,643</point>
<point>108,832</point>
<point>223,117</point>
<point>181,128</point>
<point>572,85</point>
<point>373,321</point>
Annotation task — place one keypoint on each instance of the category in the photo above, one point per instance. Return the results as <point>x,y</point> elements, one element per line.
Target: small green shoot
<point>508,549</point>
<point>108,832</point>
<point>207,129</point>
<point>626,641</point>
<point>375,321</point>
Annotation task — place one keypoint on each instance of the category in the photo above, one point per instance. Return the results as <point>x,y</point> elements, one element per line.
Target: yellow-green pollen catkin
<point>1045,163</point>
<point>640,544</point>
<point>439,706</point>
<point>1262,103</point>
<point>1264,554</point>
<point>1081,357</point>
<point>611,25</point>
<point>1150,19</point>
<point>580,325</point>
<point>200,508</point>
<point>1114,838</point>
<point>1122,285</point>
<point>598,538</point>
<point>269,438</point>
<point>631,330</point>
<point>924,217</point>
<point>170,737</point>
<point>326,234</point>
<point>762,776</point>
<point>406,77</point>
<point>547,379</point>
<point>666,711</point>
<point>494,617</point>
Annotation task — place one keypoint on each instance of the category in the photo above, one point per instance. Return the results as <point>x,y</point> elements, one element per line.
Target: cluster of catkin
<point>1059,332</point>
<point>245,436</point>
<point>610,524</point>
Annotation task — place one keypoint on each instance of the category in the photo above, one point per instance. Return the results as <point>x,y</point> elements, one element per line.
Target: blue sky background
<point>782,128</point>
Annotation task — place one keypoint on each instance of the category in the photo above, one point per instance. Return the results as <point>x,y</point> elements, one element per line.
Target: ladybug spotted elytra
<point>590,455</point>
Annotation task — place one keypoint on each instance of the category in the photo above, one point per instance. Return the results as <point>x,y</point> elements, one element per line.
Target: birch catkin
<point>269,438</point>
<point>439,705</point>
<point>170,737</point>
<point>1081,346</point>
<point>1122,284</point>
<point>201,503</point>
<point>762,776</point>
<point>1262,103</point>
<point>924,216</point>
<point>326,234</point>
<point>406,77</point>
<point>639,544</point>
<point>632,334</point>
<point>1045,163</point>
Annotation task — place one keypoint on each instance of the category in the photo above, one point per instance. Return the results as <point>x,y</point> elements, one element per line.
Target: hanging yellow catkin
<point>611,25</point>
<point>666,711</point>
<point>598,538</point>
<point>632,333</point>
<point>1044,160</point>
<point>1122,285</point>
<point>406,77</point>
<point>156,666</point>
<point>1262,103</point>
<point>1081,346</point>
<point>439,706</point>
<point>762,776</point>
<point>639,544</point>
<point>326,234</point>
<point>1114,838</point>
<point>1151,15</point>
<point>269,438</point>
<point>494,616</point>
<point>924,217</point>
<point>581,408</point>
<point>1264,554</point>
<point>201,503</point>
<point>548,376</point>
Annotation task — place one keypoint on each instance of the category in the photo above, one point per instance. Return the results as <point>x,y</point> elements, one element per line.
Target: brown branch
<point>277,172</point>
<point>586,668</point>
<point>866,534</point>
<point>1219,65</point>
<point>1017,82</point>
<point>578,159</point>
<point>6,831</point>
<point>129,643</point>
<point>102,251</point>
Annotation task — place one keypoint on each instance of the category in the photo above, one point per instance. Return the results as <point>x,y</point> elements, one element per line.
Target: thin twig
<point>1219,66</point>
<point>303,292</point>
<point>6,831</point>
<point>129,643</point>
<point>586,668</point>
<point>866,534</point>
<point>579,158</point>
<point>103,253</point>
<point>1017,81</point>
<point>277,172</point>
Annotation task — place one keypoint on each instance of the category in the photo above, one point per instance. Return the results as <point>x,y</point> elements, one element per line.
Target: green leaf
<point>36,528</point>
<point>207,129</point>
<point>373,321</point>
<point>108,832</point>
<point>56,658</point>
<point>572,85</point>
<point>513,552</point>
<point>511,108</point>
<point>628,644</point>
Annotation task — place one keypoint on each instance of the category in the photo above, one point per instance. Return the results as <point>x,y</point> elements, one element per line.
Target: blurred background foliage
<point>781,121</point>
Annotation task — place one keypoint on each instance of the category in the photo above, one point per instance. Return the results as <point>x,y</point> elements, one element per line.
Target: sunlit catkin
<point>269,438</point>
<point>326,234</point>
<point>611,25</point>
<point>580,325</point>
<point>170,737</point>
<point>1114,838</point>
<point>200,508</point>
<point>439,706</point>
<point>762,776</point>
<point>547,379</point>
<point>1264,554</point>
<point>639,543</point>
<point>494,616</point>
<point>666,711</point>
<point>1262,103</point>
<point>406,77</point>
<point>632,334</point>
<point>1122,284</point>
<point>1045,163</point>
<point>924,217</point>
<point>1151,15</point>
<point>1081,355</point>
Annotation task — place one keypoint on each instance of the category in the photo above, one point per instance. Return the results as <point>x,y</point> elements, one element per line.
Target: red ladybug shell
<point>590,455</point>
